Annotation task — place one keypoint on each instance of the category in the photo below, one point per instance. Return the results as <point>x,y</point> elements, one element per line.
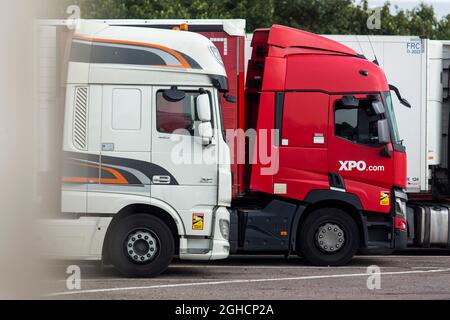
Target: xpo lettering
<point>351,165</point>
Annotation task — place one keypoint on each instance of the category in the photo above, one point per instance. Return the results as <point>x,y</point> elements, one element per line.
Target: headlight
<point>400,206</point>
<point>400,202</point>
<point>216,54</point>
<point>400,219</point>
<point>224,228</point>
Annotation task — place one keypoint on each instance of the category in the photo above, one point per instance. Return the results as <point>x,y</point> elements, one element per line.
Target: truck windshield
<point>391,117</point>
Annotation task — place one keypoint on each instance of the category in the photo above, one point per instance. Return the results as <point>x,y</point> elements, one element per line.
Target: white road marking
<point>270,267</point>
<point>416,256</point>
<point>210,283</point>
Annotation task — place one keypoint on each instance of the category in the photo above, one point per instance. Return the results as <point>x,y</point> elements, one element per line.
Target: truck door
<point>125,145</point>
<point>189,169</point>
<point>358,162</point>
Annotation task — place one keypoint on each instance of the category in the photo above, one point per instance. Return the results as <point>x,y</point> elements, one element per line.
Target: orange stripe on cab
<point>180,58</point>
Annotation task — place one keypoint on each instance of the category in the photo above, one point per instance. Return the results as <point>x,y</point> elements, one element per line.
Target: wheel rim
<point>141,246</point>
<point>330,237</point>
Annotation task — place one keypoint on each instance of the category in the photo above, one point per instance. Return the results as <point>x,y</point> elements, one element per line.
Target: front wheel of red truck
<point>328,237</point>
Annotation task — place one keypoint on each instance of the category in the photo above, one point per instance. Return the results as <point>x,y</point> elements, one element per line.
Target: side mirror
<point>205,132</point>
<point>378,107</point>
<point>204,108</point>
<point>384,136</point>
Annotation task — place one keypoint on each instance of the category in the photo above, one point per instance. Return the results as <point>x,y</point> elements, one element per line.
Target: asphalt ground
<point>411,275</point>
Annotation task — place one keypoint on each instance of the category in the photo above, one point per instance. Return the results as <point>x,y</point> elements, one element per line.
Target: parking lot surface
<point>406,276</point>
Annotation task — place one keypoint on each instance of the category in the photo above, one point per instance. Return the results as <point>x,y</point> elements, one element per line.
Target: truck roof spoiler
<point>285,37</point>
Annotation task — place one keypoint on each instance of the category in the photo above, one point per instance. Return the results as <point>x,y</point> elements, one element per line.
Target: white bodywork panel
<point>446,104</point>
<point>73,239</point>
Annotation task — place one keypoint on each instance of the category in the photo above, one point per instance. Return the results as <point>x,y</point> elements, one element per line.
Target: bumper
<point>386,233</point>
<point>215,248</point>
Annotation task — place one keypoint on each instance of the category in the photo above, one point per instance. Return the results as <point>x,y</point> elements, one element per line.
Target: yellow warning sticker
<point>198,221</point>
<point>385,198</point>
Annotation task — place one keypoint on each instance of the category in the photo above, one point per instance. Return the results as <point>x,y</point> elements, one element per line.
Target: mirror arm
<point>397,92</point>
<point>229,98</point>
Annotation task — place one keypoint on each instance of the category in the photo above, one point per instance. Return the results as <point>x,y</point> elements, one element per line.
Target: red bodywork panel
<point>400,172</point>
<point>313,73</point>
<point>265,121</point>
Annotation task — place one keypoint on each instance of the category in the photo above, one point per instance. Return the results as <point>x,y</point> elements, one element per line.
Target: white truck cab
<point>146,167</point>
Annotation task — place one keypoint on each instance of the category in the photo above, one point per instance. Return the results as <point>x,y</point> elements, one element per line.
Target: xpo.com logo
<point>361,166</point>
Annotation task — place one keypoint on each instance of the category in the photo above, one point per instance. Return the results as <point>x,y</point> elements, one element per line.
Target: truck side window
<point>357,124</point>
<point>172,116</point>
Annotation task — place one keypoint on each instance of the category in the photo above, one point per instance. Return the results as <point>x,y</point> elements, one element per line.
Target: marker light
<point>216,54</point>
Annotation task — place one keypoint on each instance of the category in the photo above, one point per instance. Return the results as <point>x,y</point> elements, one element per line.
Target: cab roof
<point>286,37</point>
<point>184,51</point>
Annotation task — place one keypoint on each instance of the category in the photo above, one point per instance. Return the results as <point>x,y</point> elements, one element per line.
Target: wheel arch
<point>348,203</point>
<point>172,220</point>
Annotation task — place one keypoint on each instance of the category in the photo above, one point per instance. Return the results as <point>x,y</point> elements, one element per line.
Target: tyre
<point>328,237</point>
<point>141,245</point>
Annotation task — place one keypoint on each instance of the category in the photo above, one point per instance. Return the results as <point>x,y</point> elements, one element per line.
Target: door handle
<point>107,146</point>
<point>161,179</point>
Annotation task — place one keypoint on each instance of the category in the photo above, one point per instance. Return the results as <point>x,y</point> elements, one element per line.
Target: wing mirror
<point>205,130</point>
<point>204,108</point>
<point>378,107</point>
<point>384,136</point>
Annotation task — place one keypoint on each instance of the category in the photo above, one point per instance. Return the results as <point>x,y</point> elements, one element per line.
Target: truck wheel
<point>329,237</point>
<point>141,245</point>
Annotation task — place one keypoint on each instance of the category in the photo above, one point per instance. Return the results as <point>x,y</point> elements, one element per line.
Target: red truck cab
<point>334,183</point>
